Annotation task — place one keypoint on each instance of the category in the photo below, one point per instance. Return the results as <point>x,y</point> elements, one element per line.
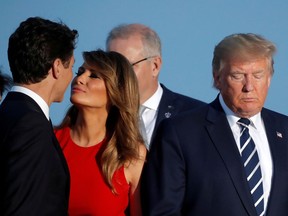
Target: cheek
<point>232,90</point>
<point>137,72</point>
<point>71,73</point>
<point>139,75</point>
<point>98,89</point>
<point>268,82</point>
<point>262,90</point>
<point>262,84</point>
<point>224,84</point>
<point>70,78</point>
<point>221,81</point>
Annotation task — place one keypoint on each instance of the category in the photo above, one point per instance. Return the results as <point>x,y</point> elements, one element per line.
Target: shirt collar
<point>154,100</point>
<point>39,100</point>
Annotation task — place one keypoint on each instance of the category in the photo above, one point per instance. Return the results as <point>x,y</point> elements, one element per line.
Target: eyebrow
<point>243,72</point>
<point>93,71</point>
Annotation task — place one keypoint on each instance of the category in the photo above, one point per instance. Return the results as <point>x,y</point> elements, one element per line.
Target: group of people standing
<point>130,146</point>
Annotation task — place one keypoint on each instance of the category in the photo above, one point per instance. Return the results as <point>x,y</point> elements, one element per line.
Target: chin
<point>58,100</point>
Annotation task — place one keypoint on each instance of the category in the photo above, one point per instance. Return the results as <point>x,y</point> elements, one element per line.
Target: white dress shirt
<point>258,134</point>
<point>39,100</point>
<point>149,115</point>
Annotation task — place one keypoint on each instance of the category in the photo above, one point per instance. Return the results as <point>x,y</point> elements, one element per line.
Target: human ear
<point>156,64</point>
<point>217,80</point>
<point>56,68</point>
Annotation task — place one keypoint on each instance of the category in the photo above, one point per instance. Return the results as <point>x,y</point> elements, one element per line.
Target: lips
<point>77,89</point>
<point>249,99</point>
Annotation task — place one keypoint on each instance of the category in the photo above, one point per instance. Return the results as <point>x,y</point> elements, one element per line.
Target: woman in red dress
<point>100,138</point>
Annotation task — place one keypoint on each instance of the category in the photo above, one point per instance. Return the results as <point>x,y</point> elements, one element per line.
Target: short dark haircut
<point>35,45</point>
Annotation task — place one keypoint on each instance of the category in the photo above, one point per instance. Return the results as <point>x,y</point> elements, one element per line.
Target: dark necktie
<point>251,164</point>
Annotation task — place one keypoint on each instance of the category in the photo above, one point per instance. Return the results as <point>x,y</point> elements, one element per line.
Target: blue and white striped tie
<point>252,167</point>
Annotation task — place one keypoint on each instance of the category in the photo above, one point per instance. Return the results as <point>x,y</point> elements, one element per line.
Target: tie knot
<point>244,122</point>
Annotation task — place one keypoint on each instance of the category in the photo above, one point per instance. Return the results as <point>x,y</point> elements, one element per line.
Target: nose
<point>81,79</point>
<point>248,85</point>
<point>77,80</point>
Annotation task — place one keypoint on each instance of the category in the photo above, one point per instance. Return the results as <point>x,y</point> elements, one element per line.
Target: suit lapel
<point>166,108</point>
<point>223,139</point>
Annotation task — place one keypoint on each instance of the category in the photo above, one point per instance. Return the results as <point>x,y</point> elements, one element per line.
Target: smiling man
<point>231,156</point>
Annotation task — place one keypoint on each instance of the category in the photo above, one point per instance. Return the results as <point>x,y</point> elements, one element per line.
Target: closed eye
<point>237,76</point>
<point>80,71</point>
<point>94,76</point>
<point>258,75</point>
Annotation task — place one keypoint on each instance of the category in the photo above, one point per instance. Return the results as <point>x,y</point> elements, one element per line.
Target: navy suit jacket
<point>171,104</point>
<point>194,167</point>
<point>34,175</point>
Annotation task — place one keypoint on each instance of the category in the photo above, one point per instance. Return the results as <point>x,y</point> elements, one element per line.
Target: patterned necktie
<point>251,164</point>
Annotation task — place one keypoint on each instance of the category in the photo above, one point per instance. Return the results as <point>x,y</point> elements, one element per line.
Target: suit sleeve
<point>163,183</point>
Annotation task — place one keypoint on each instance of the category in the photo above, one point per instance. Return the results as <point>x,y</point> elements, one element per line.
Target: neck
<point>43,89</point>
<point>149,92</point>
<point>90,128</point>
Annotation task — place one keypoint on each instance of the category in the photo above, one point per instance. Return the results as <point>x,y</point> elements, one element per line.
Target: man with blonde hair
<point>229,157</point>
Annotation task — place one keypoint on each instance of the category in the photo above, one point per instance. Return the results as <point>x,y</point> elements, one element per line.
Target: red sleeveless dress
<point>89,195</point>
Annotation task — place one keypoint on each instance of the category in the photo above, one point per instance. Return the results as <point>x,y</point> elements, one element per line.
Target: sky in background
<point>189,30</point>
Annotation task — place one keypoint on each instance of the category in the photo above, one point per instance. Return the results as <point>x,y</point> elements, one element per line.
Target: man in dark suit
<point>230,157</point>
<point>142,47</point>
<point>34,174</point>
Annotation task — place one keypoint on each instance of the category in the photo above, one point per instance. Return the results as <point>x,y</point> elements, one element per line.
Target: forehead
<point>91,67</point>
<point>130,47</point>
<point>256,64</point>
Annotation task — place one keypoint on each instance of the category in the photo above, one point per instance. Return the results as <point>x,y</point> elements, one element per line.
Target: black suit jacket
<point>194,167</point>
<point>34,174</point>
<point>171,104</point>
